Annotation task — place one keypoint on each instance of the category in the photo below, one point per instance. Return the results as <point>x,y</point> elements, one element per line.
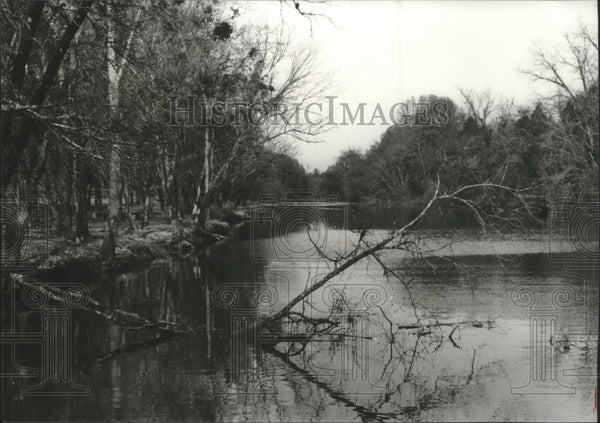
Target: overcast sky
<point>388,51</point>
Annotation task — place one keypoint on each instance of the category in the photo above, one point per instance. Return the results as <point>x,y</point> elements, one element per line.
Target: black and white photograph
<point>299,211</point>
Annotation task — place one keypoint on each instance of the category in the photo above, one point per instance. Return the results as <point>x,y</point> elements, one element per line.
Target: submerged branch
<point>165,337</point>
<point>118,316</point>
<point>364,412</point>
<point>349,262</point>
<point>474,323</point>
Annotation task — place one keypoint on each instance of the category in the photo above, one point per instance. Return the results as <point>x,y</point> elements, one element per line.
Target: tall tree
<point>24,98</point>
<point>115,69</point>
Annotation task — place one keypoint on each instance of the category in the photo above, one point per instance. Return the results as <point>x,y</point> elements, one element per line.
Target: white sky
<point>388,51</point>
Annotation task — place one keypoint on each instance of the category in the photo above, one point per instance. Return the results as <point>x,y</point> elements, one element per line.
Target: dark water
<point>479,336</point>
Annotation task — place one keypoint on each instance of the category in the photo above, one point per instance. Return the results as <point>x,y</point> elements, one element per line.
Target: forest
<point>87,125</point>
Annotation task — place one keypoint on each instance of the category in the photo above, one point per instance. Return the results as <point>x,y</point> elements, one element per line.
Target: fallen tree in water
<point>400,239</point>
<point>120,317</point>
<point>287,332</point>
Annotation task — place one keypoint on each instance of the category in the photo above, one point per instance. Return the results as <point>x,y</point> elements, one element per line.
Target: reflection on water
<point>479,337</point>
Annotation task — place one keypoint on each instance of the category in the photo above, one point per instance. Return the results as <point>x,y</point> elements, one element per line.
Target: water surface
<point>478,338</point>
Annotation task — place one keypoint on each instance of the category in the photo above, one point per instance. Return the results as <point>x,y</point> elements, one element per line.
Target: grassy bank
<point>59,257</point>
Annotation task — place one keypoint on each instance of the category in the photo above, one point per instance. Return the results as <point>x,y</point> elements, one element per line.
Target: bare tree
<point>480,106</point>
<point>369,245</point>
<point>115,73</point>
<point>570,74</point>
<point>20,116</point>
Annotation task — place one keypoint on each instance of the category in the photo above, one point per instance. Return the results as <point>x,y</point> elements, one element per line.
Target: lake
<point>479,327</point>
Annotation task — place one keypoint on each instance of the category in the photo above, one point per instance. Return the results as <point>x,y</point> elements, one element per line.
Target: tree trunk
<point>114,173</point>
<point>70,188</point>
<point>164,197</point>
<point>15,140</point>
<point>81,188</point>
<point>114,72</point>
<point>112,218</point>
<point>146,214</point>
<point>201,211</point>
<point>97,197</point>
<point>147,200</point>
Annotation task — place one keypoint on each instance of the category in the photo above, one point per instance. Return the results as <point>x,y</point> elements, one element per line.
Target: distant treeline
<point>531,149</point>
<point>545,149</point>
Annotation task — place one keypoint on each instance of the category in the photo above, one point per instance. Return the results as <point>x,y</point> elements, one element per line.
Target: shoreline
<point>60,258</point>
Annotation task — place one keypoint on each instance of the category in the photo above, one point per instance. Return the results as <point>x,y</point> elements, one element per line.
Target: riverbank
<point>59,257</point>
